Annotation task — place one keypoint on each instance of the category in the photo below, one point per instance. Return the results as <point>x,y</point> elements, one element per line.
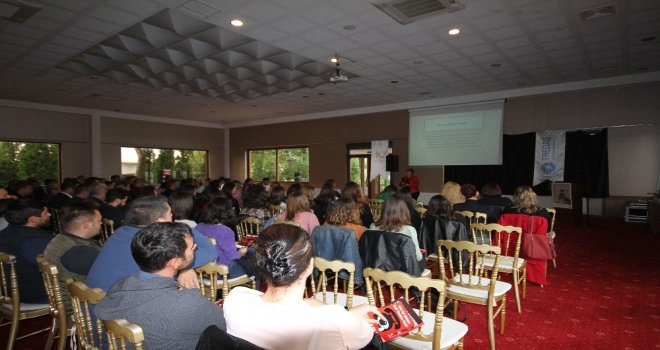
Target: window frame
<point>206,157</point>
<point>277,161</point>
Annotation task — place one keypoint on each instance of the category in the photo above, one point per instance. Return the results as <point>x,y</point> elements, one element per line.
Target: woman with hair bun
<point>280,318</point>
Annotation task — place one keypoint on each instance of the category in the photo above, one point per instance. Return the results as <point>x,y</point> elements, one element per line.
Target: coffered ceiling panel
<point>183,59</point>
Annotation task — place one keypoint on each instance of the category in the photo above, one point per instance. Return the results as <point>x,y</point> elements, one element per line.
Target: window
<point>153,164</point>
<point>23,160</point>
<point>282,164</point>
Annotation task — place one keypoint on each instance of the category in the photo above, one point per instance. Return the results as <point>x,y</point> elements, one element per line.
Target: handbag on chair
<point>536,246</point>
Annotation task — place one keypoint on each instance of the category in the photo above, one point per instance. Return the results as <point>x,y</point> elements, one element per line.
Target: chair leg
<point>455,309</point>
<point>524,281</point>
<point>516,292</point>
<point>13,331</point>
<point>503,315</point>
<point>51,335</point>
<point>491,326</point>
<point>554,263</point>
<point>61,342</point>
<point>460,344</point>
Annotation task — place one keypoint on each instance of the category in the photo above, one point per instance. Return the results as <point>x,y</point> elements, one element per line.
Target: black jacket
<point>389,251</point>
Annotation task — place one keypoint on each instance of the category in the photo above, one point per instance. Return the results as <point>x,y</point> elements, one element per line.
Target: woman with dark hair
<point>353,191</point>
<point>344,213</point>
<point>182,207</point>
<point>278,198</point>
<point>280,319</point>
<point>491,194</point>
<point>230,190</point>
<point>322,202</point>
<point>299,211</point>
<point>439,208</point>
<point>213,225</point>
<point>255,203</point>
<point>396,218</point>
<point>411,203</point>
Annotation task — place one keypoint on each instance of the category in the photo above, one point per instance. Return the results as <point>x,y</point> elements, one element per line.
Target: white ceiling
<point>504,44</point>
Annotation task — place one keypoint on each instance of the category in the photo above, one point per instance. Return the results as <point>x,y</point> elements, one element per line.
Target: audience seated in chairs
<point>172,318</point>
<point>182,204</point>
<point>115,261</point>
<point>212,225</point>
<point>299,211</point>
<point>353,191</point>
<point>113,209</point>
<point>255,203</point>
<point>67,190</point>
<point>277,200</point>
<point>491,195</point>
<point>411,203</point>
<point>332,242</point>
<point>472,204</point>
<point>440,224</point>
<point>280,319</point>
<point>74,250</point>
<point>322,202</point>
<point>452,191</point>
<point>526,214</point>
<point>396,218</point>
<point>344,213</point>
<point>25,238</point>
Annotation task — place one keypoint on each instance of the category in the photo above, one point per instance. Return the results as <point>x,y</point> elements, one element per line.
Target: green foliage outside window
<point>22,160</point>
<point>182,164</point>
<point>285,164</point>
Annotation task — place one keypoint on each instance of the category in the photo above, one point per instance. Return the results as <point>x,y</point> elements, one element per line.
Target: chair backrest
<point>421,211</point>
<point>53,291</point>
<point>552,212</point>
<point>400,256</point>
<point>107,229</point>
<point>481,218</point>
<point>508,238</point>
<point>248,226</point>
<point>9,289</point>
<point>474,274</point>
<point>376,207</point>
<point>338,243</point>
<point>121,333</point>
<point>55,224</point>
<point>89,329</point>
<point>275,209</point>
<point>473,217</point>
<point>334,267</point>
<point>379,280</point>
<point>211,272</point>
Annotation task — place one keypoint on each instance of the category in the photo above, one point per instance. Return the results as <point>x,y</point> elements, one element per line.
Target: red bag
<point>537,247</point>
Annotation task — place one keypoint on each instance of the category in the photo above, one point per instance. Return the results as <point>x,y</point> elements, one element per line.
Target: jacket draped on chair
<point>533,224</point>
<point>338,243</point>
<point>389,251</point>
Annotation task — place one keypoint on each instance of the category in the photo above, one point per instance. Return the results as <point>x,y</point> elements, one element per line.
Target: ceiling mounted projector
<point>337,76</point>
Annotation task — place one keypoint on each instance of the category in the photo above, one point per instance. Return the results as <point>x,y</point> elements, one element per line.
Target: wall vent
<point>408,11</point>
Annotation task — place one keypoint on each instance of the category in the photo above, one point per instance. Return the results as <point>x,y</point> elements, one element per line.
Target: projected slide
<point>458,135</point>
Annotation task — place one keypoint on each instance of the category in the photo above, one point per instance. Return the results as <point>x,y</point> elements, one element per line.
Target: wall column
<point>95,143</point>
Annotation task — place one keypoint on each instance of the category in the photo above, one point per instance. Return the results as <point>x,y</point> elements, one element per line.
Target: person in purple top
<point>212,225</point>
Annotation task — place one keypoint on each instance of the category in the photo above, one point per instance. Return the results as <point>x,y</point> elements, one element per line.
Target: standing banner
<point>549,159</point>
<point>378,154</point>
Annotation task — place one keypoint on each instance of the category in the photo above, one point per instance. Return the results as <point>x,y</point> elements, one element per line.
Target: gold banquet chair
<point>508,238</point>
<point>89,329</point>
<point>438,332</point>
<point>347,299</point>
<point>247,226</point>
<point>57,310</point>
<point>376,208</point>
<point>11,307</point>
<point>551,232</point>
<point>214,277</point>
<point>55,224</point>
<point>121,333</point>
<point>474,286</point>
<point>107,229</point>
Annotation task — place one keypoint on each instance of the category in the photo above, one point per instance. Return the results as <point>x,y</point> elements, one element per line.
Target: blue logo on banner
<point>548,168</point>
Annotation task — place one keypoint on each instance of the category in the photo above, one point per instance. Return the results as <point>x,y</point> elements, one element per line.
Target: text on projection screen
<point>459,135</point>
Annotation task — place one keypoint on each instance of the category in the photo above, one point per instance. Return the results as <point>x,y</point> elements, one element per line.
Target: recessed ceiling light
<point>454,31</point>
<point>349,27</point>
<point>334,60</point>
<point>424,93</point>
<point>237,22</point>
<point>418,62</point>
<point>305,96</point>
<point>495,65</point>
<point>649,38</point>
<point>394,81</point>
<point>321,93</point>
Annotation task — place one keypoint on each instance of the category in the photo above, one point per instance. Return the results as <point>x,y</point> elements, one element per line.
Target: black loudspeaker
<point>392,163</point>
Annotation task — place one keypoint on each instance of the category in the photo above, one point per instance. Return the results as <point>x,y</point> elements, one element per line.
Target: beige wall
<point>327,140</point>
<point>625,105</point>
<point>116,133</point>
<point>71,131</point>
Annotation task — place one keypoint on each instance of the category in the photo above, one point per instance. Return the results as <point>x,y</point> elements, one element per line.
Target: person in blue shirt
<point>115,260</point>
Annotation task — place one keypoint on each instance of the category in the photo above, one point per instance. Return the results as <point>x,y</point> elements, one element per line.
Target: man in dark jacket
<point>25,239</point>
<point>171,318</point>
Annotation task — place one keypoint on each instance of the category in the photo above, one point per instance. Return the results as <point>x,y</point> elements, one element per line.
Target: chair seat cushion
<point>433,257</point>
<point>452,332</point>
<point>426,273</point>
<point>500,287</point>
<point>341,298</point>
<point>26,307</point>
<point>506,263</point>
